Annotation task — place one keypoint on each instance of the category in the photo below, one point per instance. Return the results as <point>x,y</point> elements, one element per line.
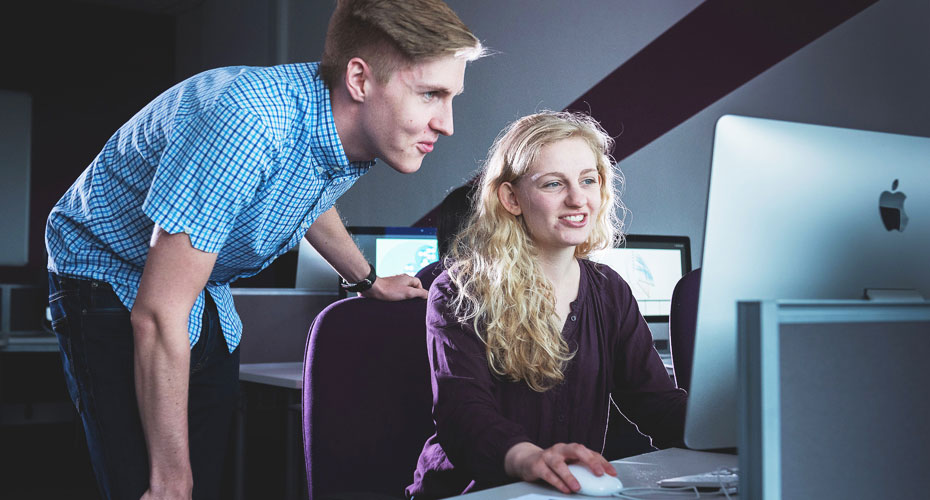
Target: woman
<point>528,341</point>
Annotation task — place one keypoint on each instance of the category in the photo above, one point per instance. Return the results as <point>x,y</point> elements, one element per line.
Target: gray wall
<point>226,33</point>
<point>871,72</point>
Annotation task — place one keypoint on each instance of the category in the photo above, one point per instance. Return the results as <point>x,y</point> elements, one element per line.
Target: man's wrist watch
<point>363,285</point>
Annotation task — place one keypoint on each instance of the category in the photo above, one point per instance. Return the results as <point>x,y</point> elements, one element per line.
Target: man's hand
<point>399,287</point>
<point>530,462</point>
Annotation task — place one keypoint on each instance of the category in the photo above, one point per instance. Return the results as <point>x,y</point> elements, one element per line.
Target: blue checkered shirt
<point>242,159</point>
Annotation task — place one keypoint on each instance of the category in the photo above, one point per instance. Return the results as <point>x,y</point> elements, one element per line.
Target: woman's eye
<point>589,180</point>
<point>553,184</point>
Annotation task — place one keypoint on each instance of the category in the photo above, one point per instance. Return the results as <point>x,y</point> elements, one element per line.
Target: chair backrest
<point>682,320</point>
<point>429,273</point>
<point>367,399</point>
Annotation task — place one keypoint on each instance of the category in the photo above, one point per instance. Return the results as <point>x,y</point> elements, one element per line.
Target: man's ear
<point>358,77</point>
<point>508,198</point>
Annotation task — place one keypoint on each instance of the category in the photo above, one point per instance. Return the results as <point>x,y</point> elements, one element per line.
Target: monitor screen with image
<point>652,266</point>
<point>397,250</point>
<point>404,254</point>
<point>799,211</point>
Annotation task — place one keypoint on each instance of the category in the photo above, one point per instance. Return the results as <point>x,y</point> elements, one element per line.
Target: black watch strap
<point>363,285</point>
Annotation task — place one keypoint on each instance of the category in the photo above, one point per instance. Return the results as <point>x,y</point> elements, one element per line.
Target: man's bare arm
<point>174,275</point>
<point>330,237</point>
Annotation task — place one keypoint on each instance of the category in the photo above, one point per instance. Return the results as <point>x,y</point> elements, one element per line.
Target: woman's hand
<point>530,462</point>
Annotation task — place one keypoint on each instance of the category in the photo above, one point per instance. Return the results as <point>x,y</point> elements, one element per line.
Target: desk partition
<point>276,321</point>
<point>833,399</point>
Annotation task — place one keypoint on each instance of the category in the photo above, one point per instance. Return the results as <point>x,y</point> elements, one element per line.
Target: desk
<point>287,376</point>
<point>36,342</point>
<point>641,470</point>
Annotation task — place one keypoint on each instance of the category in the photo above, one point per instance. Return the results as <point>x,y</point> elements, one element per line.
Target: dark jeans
<point>96,342</point>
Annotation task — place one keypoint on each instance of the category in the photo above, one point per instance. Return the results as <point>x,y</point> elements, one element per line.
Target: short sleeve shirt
<point>242,159</point>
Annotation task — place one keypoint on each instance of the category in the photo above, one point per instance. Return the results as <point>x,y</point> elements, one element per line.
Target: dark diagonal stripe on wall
<point>718,47</point>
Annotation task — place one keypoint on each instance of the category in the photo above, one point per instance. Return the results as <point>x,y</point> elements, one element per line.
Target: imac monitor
<point>652,266</point>
<point>798,211</point>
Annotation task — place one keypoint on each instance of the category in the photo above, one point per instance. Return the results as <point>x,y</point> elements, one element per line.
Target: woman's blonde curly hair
<point>502,290</point>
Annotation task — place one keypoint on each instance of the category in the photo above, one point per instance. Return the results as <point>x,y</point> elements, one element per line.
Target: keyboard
<point>720,478</point>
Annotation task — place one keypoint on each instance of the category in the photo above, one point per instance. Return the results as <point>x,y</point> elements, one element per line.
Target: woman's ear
<point>508,198</point>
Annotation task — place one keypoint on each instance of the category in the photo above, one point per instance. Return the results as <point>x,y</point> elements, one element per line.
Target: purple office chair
<point>429,273</point>
<point>367,400</point>
<point>682,320</point>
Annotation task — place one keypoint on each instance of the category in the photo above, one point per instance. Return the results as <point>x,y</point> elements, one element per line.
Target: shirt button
<point>562,418</point>
<point>574,317</point>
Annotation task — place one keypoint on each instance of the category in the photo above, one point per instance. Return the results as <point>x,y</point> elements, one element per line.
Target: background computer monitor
<point>651,265</point>
<point>392,250</point>
<point>397,250</point>
<point>793,213</point>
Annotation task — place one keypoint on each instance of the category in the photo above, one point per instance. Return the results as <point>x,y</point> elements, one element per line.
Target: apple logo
<point>891,207</point>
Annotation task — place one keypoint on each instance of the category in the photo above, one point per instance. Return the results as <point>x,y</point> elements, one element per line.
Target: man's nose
<point>442,122</point>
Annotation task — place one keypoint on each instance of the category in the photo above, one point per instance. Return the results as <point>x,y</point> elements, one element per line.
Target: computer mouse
<point>595,486</point>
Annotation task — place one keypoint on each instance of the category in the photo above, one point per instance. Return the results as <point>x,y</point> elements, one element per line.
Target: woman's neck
<point>563,272</point>
<point>561,269</point>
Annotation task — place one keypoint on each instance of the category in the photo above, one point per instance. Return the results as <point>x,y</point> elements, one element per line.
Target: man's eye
<point>428,96</point>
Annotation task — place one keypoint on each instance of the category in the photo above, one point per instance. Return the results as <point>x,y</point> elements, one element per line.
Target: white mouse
<point>592,485</point>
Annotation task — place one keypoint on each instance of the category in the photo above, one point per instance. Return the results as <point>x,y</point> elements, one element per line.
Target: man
<point>210,182</point>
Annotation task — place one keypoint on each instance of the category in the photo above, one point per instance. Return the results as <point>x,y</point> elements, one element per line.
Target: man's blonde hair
<point>390,34</point>
<point>501,289</point>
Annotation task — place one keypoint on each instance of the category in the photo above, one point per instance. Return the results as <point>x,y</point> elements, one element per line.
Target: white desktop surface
<point>641,471</point>
<point>287,375</point>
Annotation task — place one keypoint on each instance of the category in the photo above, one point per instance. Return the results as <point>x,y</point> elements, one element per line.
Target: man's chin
<point>405,167</point>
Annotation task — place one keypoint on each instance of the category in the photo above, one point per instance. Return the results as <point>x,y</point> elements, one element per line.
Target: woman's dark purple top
<point>480,416</point>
